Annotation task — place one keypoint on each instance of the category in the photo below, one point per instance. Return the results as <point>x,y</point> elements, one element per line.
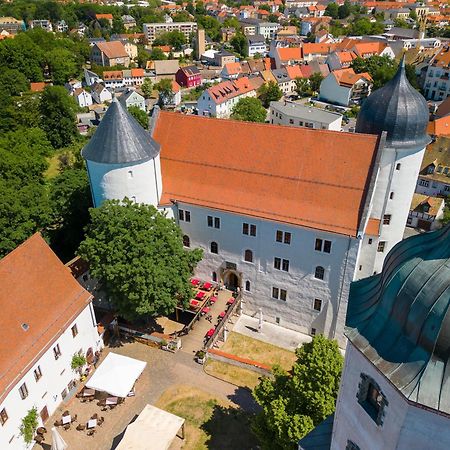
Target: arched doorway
<point>231,280</point>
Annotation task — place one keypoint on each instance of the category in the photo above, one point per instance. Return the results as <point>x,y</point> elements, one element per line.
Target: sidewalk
<point>270,333</point>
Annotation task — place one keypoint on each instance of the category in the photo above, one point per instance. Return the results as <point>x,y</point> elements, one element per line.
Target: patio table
<point>111,401</point>
<point>210,332</point>
<point>194,303</point>
<point>200,295</point>
<point>92,423</point>
<point>88,392</point>
<point>206,310</point>
<point>195,282</point>
<point>222,314</point>
<point>231,301</point>
<point>66,419</point>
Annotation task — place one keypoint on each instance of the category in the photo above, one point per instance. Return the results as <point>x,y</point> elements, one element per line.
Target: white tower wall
<point>140,182</point>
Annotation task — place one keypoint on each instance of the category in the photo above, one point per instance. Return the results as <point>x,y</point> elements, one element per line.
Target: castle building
<point>289,215</point>
<point>394,391</point>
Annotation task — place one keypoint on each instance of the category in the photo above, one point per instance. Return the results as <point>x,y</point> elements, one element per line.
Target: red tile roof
<point>113,49</point>
<point>311,178</point>
<point>104,16</point>
<point>226,90</point>
<point>37,290</point>
<point>373,227</point>
<point>290,53</point>
<point>137,72</point>
<point>38,86</point>
<point>348,77</point>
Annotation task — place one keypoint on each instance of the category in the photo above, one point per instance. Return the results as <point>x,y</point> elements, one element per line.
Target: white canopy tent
<point>154,429</point>
<point>116,375</point>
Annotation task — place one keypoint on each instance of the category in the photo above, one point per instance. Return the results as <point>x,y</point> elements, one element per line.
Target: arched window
<point>248,256</point>
<point>214,247</point>
<point>186,241</point>
<point>214,276</point>
<point>319,273</point>
<point>247,286</point>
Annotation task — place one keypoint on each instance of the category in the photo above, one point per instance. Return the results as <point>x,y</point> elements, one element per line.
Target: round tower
<point>400,114</point>
<point>123,160</point>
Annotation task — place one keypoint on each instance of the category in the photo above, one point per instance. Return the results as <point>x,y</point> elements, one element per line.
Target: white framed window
<point>279,294</point>
<point>319,273</point>
<point>23,391</point>
<point>248,256</point>
<point>37,373</point>
<point>74,330</point>
<point>381,246</point>
<point>56,351</point>
<point>317,304</point>
<point>322,245</point>
<point>283,236</point>
<point>184,216</point>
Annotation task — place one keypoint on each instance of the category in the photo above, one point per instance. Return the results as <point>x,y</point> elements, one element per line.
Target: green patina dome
<point>400,318</point>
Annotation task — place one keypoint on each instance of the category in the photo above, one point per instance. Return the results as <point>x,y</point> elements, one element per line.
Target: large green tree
<point>269,92</point>
<point>139,115</point>
<point>139,255</point>
<point>240,44</point>
<point>249,109</point>
<point>58,116</point>
<point>295,402</point>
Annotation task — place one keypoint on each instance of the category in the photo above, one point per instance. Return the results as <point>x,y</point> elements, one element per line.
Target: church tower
<point>123,160</point>
<point>399,114</point>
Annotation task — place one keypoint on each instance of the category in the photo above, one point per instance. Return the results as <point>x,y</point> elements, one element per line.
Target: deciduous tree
<point>293,403</point>
<point>138,254</point>
<point>269,92</point>
<point>139,115</point>
<point>249,109</point>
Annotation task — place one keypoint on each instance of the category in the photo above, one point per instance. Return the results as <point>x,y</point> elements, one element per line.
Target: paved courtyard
<point>163,370</point>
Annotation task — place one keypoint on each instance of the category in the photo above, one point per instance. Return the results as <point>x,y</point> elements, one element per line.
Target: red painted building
<point>188,76</point>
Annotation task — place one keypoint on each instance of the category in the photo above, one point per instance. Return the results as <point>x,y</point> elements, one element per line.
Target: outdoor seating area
<point>205,294</point>
<point>220,317</point>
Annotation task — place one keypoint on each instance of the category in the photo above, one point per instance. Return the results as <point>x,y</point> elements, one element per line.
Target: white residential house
<point>173,100</point>
<point>82,97</point>
<point>61,26</point>
<point>100,94</point>
<point>425,212</point>
<point>53,321</point>
<point>91,78</point>
<point>72,85</point>
<point>437,81</point>
<point>297,115</point>
<point>256,45</point>
<point>132,98</point>
<point>268,29</point>
<point>344,87</point>
<point>219,100</point>
<point>153,30</point>
<point>113,79</point>
<point>285,83</point>
<point>44,24</point>
<point>133,77</point>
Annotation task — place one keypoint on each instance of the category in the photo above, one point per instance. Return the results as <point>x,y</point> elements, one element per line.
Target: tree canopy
<point>294,403</point>
<point>249,109</point>
<point>269,92</point>
<point>139,115</point>
<point>240,44</point>
<point>139,255</point>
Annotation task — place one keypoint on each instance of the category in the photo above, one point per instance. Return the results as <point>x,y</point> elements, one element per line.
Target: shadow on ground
<point>229,428</point>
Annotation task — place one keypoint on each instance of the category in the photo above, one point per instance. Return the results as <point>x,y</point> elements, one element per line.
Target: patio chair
<point>75,418</point>
<point>94,416</point>
<point>66,413</point>
<point>41,431</point>
<point>91,432</point>
<point>67,426</point>
<point>39,438</point>
<point>81,427</point>
<point>58,423</point>
<point>100,421</point>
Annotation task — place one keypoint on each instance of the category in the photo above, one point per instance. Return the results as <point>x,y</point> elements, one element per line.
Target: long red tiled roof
<point>311,178</point>
<point>290,53</point>
<point>229,89</point>
<point>39,291</point>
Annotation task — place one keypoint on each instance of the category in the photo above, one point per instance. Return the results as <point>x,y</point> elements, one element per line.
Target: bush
<point>78,361</point>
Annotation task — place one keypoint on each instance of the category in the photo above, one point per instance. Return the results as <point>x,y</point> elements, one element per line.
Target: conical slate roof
<point>120,139</point>
<point>400,318</point>
<point>398,109</point>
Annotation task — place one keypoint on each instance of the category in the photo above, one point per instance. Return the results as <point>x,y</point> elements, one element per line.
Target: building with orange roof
<point>38,86</point>
<point>287,56</point>
<point>231,71</point>
<point>425,212</point>
<point>314,24</point>
<point>108,17</point>
<point>340,60</point>
<point>344,87</point>
<point>48,317</point>
<point>219,100</point>
<point>437,79</point>
<point>316,50</point>
<point>282,213</point>
<point>110,54</point>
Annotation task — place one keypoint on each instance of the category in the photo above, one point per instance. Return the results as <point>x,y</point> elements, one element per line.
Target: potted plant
<point>29,425</point>
<point>163,344</point>
<point>201,357</point>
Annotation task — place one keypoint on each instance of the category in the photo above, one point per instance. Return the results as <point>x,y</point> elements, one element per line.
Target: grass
<point>53,168</point>
<point>247,347</point>
<point>210,423</point>
<point>232,374</point>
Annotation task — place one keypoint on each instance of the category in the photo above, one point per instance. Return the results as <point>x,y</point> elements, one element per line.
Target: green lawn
<point>232,374</point>
<point>210,423</point>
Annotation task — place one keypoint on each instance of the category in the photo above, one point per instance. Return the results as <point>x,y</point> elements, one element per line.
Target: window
<point>133,199</point>
<point>322,245</point>
<point>130,174</point>
<point>351,446</point>
<point>23,391</point>
<point>184,216</point>
<point>279,294</point>
<point>248,256</point>
<point>397,167</point>
<point>277,263</point>
<point>387,219</point>
<point>214,247</point>
<point>285,265</point>
<point>3,416</point>
<point>214,276</point>
<point>381,246</point>
<point>37,373</point>
<point>371,398</point>
<point>313,331</point>
<point>210,221</point>
<point>216,222</point>
<point>249,229</point>
<point>56,351</point>
<point>247,286</point>
<point>370,241</point>
<point>424,183</point>
<point>74,330</point>
<point>317,304</point>
<point>64,394</point>
<point>283,236</point>
<point>391,196</point>
<point>186,241</point>
<point>72,385</point>
<point>291,121</point>
<point>319,273</point>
